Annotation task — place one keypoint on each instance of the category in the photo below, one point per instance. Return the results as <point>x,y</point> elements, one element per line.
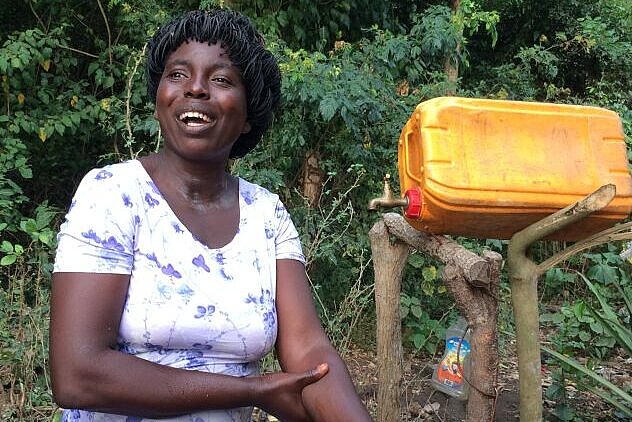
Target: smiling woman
<point>183,275</point>
<point>201,102</point>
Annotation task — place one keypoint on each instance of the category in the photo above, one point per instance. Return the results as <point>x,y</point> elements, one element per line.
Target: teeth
<point>194,115</point>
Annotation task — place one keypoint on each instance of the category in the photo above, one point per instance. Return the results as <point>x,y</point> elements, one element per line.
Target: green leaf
<point>625,397</point>
<point>26,172</point>
<point>605,341</point>
<point>609,313</point>
<point>621,334</point>
<point>419,340</point>
<point>92,67</point>
<point>416,311</point>
<point>60,128</point>
<point>431,347</point>
<point>108,82</point>
<point>626,298</point>
<point>29,226</point>
<point>328,107</point>
<point>46,238</point>
<point>429,273</point>
<point>8,260</point>
<point>6,247</point>
<point>416,260</point>
<point>584,336</point>
<point>554,391</point>
<point>603,273</point>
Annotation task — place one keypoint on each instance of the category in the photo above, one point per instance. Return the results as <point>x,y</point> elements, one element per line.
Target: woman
<point>172,277</point>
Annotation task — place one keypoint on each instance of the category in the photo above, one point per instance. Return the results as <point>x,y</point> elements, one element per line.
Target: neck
<point>201,183</point>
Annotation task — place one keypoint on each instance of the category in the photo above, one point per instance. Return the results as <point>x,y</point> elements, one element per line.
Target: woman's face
<point>201,102</point>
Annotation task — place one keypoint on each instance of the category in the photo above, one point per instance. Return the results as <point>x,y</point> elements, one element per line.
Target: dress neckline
<point>183,226</point>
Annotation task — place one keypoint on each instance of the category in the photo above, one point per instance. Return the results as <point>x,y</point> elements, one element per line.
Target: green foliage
<point>579,327</point>
<point>424,332</point>
<point>73,96</point>
<point>604,326</point>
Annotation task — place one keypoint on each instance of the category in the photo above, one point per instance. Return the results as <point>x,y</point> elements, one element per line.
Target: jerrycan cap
<point>414,197</point>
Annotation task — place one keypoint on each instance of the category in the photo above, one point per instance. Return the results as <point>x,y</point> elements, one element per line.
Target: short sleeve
<point>98,232</point>
<point>288,244</point>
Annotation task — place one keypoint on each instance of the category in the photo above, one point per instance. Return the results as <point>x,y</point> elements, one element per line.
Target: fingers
<point>315,374</point>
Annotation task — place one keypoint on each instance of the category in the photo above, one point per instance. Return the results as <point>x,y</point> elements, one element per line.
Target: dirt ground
<point>423,403</point>
<point>420,400</point>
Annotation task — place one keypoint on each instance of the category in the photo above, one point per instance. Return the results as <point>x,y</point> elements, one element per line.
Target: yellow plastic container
<point>489,168</point>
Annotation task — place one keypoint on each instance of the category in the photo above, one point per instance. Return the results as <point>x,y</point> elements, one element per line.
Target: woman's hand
<point>280,393</point>
<point>302,343</point>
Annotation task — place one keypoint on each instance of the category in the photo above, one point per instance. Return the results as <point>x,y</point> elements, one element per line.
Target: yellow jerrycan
<point>489,168</point>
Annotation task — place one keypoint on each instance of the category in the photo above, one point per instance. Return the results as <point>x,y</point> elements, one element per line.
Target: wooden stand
<point>473,281</point>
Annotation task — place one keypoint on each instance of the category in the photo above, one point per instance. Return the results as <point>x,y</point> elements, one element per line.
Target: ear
<point>247,127</point>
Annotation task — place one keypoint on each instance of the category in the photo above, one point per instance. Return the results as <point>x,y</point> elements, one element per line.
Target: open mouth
<point>194,118</point>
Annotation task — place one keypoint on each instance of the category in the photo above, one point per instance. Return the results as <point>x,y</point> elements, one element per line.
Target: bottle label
<point>450,371</point>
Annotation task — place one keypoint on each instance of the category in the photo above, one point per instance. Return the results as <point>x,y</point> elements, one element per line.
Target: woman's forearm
<point>334,398</point>
<point>114,382</point>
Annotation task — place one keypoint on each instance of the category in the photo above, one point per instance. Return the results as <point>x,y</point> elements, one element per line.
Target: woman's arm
<point>89,373</point>
<point>302,344</point>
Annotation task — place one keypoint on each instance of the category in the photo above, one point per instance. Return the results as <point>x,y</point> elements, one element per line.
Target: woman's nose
<point>196,88</point>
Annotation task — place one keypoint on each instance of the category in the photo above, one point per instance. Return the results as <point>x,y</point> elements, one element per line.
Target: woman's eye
<point>221,80</point>
<point>176,75</point>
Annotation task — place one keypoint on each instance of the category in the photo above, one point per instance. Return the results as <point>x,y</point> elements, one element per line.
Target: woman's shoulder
<point>113,178</point>
<point>109,183</point>
<point>115,171</point>
<point>254,194</point>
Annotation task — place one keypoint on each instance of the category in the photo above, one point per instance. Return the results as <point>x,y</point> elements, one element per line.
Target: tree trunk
<point>312,177</point>
<point>481,405</point>
<point>451,62</point>
<point>389,261</point>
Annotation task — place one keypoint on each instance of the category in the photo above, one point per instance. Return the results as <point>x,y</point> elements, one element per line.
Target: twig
<point>128,112</point>
<point>107,28</point>
<point>85,53</point>
<point>605,236</point>
<point>37,17</point>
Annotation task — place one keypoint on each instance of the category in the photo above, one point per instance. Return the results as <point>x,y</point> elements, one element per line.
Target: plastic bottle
<point>450,374</point>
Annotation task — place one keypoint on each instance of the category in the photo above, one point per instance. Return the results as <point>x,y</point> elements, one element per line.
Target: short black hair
<point>245,46</point>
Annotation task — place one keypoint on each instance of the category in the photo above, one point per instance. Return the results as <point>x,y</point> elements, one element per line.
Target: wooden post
<point>388,260</point>
<point>523,275</point>
<point>473,282</point>
<point>481,405</point>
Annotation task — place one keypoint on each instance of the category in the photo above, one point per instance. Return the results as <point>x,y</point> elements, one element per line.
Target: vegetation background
<point>72,96</point>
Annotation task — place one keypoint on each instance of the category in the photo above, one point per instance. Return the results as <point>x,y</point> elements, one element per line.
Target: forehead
<point>199,52</point>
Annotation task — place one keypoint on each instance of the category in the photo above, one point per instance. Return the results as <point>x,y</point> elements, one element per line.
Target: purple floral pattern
<point>188,306</point>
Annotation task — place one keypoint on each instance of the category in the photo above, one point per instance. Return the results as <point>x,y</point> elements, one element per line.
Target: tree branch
<point>475,269</point>
<point>107,28</point>
<point>564,217</point>
<point>616,233</point>
<point>523,275</point>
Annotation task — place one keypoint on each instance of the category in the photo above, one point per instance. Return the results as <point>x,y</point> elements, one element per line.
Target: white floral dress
<point>188,306</point>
